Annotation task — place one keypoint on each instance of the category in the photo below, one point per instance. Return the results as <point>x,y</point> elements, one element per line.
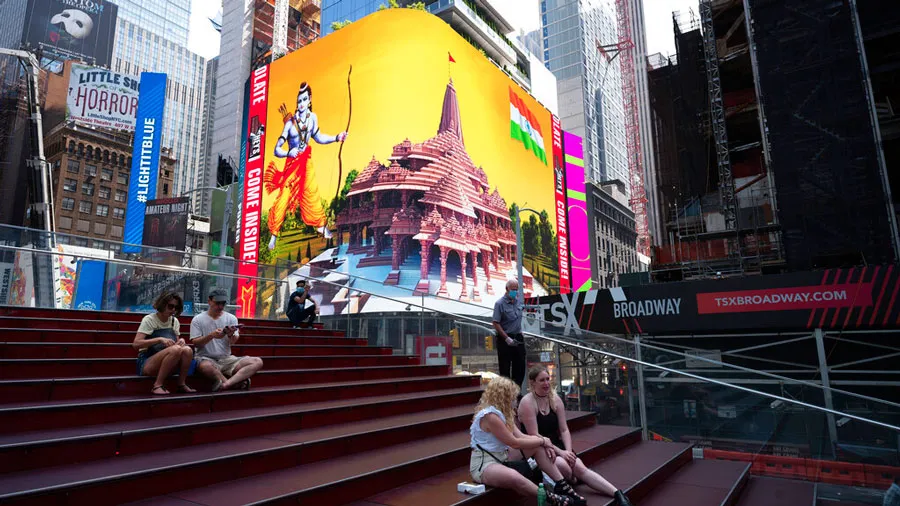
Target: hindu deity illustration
<point>295,184</point>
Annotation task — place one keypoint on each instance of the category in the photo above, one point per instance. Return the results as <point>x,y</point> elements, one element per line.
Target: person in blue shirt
<point>297,312</point>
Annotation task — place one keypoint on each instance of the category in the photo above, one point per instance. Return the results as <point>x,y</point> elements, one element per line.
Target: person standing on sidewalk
<point>508,338</point>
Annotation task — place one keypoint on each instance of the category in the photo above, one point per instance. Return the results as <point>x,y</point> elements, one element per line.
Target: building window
<point>122,178</point>
<point>118,213</point>
<point>115,231</point>
<point>65,222</point>
<point>87,189</point>
<point>166,189</point>
<point>115,248</point>
<point>68,204</point>
<point>100,229</point>
<point>90,170</point>
<point>98,244</point>
<point>121,195</point>
<point>70,185</point>
<point>84,226</point>
<point>106,174</point>
<point>102,210</point>
<point>73,166</point>
<point>104,192</point>
<point>81,241</point>
<point>85,206</point>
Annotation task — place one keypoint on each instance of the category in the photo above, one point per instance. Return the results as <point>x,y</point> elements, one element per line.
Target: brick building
<point>91,170</point>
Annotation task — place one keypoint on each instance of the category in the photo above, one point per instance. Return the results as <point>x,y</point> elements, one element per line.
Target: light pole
<point>520,298</point>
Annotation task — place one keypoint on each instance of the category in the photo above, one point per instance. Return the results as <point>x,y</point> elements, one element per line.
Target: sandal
<point>563,487</point>
<point>160,390</point>
<point>245,385</point>
<point>555,499</point>
<point>186,389</point>
<point>622,499</point>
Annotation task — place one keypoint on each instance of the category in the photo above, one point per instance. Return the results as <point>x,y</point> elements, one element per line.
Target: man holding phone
<point>297,313</point>
<point>213,332</point>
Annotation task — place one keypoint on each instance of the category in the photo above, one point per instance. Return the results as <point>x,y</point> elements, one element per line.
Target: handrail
<point>610,337</point>
<point>555,340</point>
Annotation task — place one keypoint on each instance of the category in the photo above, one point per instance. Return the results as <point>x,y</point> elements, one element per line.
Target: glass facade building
<point>167,18</point>
<point>347,10</point>
<point>589,82</point>
<point>140,50</point>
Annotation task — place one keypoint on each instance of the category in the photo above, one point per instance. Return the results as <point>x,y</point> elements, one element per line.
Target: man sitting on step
<point>213,332</point>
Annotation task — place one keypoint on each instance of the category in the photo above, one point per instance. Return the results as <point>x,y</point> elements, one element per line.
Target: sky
<point>204,40</point>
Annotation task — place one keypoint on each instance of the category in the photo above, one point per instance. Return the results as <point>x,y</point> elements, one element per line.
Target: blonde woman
<point>493,433</point>
<point>543,413</point>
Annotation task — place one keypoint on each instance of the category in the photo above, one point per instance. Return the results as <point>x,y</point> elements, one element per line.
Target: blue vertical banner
<point>89,285</point>
<point>145,156</point>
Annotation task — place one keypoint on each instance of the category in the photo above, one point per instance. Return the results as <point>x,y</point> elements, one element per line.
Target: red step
<point>339,481</point>
<point>762,491</point>
<point>702,483</point>
<point>62,389</point>
<point>7,322</point>
<point>57,415</point>
<point>126,336</point>
<point>32,450</point>
<point>16,350</point>
<point>92,367</point>
<point>72,314</point>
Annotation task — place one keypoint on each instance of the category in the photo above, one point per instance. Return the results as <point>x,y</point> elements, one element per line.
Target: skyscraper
<point>589,82</point>
<point>140,50</point>
<point>166,18</point>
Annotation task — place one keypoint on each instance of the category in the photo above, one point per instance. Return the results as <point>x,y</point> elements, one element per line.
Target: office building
<point>771,156</point>
<point>589,82</point>
<point>247,28</point>
<point>140,50</point>
<point>169,19</point>
<point>612,232</point>
<point>90,173</point>
<point>208,163</point>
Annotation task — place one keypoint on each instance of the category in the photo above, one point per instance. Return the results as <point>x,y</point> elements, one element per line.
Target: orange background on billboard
<point>400,73</point>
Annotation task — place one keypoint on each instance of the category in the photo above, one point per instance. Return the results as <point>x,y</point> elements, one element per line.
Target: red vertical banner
<point>559,183</point>
<point>252,201</point>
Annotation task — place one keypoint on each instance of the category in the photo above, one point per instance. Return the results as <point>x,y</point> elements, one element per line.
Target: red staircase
<point>328,421</point>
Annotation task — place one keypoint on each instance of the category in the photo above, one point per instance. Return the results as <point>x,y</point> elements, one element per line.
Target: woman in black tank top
<point>542,412</point>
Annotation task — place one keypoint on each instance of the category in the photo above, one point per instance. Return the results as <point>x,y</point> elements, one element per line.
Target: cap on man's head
<point>218,295</point>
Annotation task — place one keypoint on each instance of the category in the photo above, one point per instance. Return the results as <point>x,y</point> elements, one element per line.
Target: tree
<point>418,6</point>
<point>337,25</point>
<point>338,204</point>
<point>299,257</point>
<point>308,251</point>
<point>266,256</point>
<point>546,233</point>
<point>531,236</point>
<point>392,4</point>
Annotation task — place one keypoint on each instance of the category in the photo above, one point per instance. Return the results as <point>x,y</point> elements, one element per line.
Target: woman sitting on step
<point>494,432</point>
<point>543,413</point>
<point>160,350</point>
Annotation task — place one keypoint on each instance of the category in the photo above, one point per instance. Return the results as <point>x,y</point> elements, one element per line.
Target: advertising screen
<point>579,236</point>
<point>102,98</point>
<point>145,157</point>
<point>165,223</point>
<point>398,160</point>
<point>71,30</point>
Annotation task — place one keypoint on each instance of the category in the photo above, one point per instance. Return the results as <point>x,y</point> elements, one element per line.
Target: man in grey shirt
<point>508,340</point>
<point>213,332</point>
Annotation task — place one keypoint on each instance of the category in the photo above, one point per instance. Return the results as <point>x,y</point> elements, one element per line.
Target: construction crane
<point>624,49</point>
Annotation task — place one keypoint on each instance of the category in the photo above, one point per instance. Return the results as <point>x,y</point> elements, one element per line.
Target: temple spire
<point>450,113</point>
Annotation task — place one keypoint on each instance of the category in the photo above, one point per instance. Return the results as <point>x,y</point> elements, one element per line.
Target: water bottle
<point>542,495</point>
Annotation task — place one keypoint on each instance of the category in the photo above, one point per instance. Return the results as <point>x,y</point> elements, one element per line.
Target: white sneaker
<point>272,242</point>
<point>324,231</point>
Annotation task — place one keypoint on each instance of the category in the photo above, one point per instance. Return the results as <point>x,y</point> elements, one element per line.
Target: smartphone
<point>234,327</point>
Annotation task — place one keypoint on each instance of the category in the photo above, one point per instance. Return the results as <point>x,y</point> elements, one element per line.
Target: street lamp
<point>520,298</point>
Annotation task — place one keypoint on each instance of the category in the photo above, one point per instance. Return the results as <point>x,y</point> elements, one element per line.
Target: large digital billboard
<point>165,223</point>
<point>102,98</point>
<point>576,196</point>
<point>397,159</point>
<point>71,30</point>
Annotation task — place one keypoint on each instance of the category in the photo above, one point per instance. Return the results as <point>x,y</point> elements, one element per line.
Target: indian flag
<point>524,127</point>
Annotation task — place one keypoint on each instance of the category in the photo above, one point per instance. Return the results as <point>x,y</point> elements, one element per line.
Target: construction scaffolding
<point>714,186</point>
